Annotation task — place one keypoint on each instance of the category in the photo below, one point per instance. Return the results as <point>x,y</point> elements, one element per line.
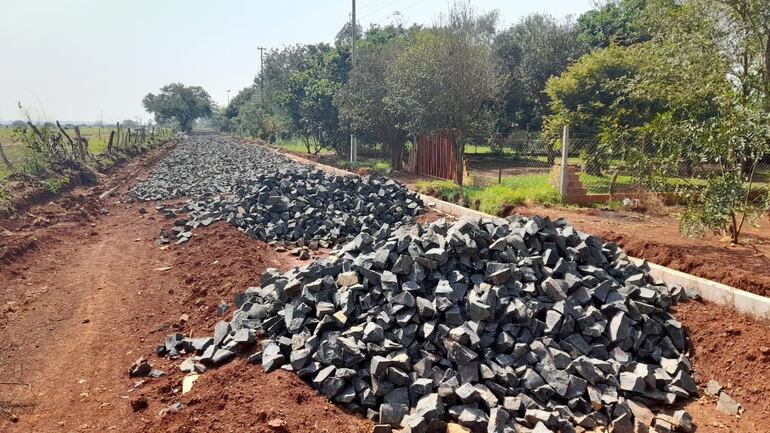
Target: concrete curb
<point>742,301</point>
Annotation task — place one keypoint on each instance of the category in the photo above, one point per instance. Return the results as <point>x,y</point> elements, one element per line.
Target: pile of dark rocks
<point>504,325</point>
<point>207,164</point>
<point>272,198</point>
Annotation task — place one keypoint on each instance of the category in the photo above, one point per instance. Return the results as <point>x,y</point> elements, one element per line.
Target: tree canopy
<point>533,50</point>
<point>657,88</point>
<point>179,103</point>
<point>365,100</point>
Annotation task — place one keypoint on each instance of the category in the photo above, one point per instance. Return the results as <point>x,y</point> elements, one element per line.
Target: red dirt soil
<point>88,297</point>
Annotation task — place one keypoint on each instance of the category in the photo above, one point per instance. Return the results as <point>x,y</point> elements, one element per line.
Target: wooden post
<point>118,142</point>
<point>5,159</point>
<point>109,143</point>
<point>72,144</point>
<point>82,143</point>
<point>564,157</point>
<point>128,136</point>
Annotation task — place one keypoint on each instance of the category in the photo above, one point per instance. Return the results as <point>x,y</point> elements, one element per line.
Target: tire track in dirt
<point>89,302</point>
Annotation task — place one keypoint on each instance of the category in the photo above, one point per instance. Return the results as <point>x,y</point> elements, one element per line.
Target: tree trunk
<point>551,154</point>
<point>397,153</point>
<point>767,71</point>
<point>458,145</point>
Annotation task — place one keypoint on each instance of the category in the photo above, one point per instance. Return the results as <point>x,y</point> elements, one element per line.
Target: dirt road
<point>90,292</point>
<point>89,298</point>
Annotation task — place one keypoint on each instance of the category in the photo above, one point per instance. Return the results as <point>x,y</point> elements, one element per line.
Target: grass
<point>513,191</point>
<point>297,145</point>
<point>601,184</point>
<point>446,190</point>
<point>372,165</point>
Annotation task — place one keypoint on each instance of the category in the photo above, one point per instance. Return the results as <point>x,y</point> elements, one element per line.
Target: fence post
<point>564,156</point>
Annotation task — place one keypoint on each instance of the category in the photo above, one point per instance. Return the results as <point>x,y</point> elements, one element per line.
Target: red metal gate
<point>433,157</point>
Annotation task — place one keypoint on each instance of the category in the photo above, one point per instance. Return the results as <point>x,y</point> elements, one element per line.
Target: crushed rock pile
<point>505,325</point>
<point>207,164</point>
<point>272,198</point>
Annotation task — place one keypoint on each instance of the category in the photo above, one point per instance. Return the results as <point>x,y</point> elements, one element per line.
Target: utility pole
<point>353,140</point>
<point>228,97</point>
<point>261,75</point>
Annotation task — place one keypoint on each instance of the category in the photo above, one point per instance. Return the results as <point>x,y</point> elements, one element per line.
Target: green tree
<point>363,100</point>
<point>240,99</point>
<point>309,102</point>
<point>594,97</point>
<point>281,64</point>
<point>533,50</point>
<point>614,21</point>
<point>180,103</point>
<point>707,61</point>
<point>449,79</point>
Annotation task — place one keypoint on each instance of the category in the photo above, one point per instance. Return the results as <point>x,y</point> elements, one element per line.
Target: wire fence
<point>28,149</point>
<point>597,171</point>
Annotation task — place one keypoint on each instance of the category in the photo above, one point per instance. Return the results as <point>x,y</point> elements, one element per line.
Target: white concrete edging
<point>742,301</point>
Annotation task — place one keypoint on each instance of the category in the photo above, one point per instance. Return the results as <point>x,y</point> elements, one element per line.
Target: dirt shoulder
<point>93,294</point>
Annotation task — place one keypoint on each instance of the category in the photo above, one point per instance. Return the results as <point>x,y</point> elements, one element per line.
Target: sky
<point>91,60</point>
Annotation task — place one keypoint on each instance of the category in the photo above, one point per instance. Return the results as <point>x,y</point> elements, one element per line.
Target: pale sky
<point>91,59</point>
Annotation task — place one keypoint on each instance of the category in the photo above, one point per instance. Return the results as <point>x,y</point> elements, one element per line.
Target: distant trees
<point>180,103</point>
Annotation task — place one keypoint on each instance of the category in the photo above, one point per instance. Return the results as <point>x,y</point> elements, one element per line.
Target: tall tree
<point>363,101</point>
<point>533,50</point>
<point>594,97</point>
<point>449,80</point>
<point>180,103</point>
<point>309,102</point>
<point>708,61</point>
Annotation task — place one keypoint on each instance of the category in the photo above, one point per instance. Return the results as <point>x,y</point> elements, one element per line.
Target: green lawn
<point>601,184</point>
<point>512,191</point>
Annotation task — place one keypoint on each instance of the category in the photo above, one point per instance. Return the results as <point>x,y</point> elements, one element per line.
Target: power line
<point>379,9</point>
<point>407,7</point>
<point>368,4</point>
